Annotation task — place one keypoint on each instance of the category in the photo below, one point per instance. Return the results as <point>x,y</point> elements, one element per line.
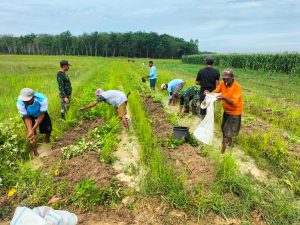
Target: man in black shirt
<point>208,78</point>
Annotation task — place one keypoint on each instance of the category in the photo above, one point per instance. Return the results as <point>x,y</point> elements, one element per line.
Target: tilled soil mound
<point>158,119</point>
<point>197,168</point>
<point>87,166</point>
<point>70,137</point>
<point>82,129</point>
<point>186,157</point>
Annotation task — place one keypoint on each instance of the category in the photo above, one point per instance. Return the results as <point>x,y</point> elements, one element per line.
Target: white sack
<point>205,130</point>
<point>26,216</point>
<point>43,216</point>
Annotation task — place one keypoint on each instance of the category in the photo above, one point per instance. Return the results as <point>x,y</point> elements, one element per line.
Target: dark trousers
<point>202,111</point>
<point>45,126</point>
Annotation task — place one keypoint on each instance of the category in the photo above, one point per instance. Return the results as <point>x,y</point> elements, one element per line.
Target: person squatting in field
<point>185,96</point>
<point>115,98</point>
<point>33,107</point>
<point>208,79</point>
<point>231,96</point>
<point>173,87</point>
<point>64,86</point>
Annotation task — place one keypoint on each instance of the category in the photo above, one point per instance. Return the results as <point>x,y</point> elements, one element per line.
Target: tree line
<point>130,44</point>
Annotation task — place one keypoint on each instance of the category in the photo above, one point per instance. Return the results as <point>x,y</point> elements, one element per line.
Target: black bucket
<point>180,132</point>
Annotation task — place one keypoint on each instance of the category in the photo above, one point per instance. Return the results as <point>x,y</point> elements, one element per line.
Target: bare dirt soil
<point>159,119</point>
<point>197,168</point>
<point>186,158</point>
<point>127,159</point>
<point>84,126</point>
<point>86,166</point>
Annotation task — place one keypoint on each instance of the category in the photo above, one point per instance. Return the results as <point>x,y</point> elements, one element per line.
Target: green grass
<point>270,97</point>
<point>232,195</point>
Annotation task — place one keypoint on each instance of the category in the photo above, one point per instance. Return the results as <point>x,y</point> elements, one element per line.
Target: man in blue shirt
<point>173,87</point>
<point>33,108</point>
<point>152,75</point>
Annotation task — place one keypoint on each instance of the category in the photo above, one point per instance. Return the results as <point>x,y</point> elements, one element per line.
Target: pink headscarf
<point>99,92</point>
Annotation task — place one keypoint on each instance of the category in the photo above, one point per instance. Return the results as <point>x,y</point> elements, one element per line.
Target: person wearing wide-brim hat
<point>231,97</point>
<point>33,107</point>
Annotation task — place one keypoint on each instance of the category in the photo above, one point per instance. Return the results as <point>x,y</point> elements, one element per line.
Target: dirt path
<point>127,162</point>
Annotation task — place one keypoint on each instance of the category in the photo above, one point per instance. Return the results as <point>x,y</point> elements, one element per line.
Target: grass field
<point>222,193</point>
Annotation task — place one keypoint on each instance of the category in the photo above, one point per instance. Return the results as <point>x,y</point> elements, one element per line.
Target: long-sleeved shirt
<point>64,84</point>
<point>153,74</point>
<point>172,86</point>
<point>234,92</point>
<point>189,93</point>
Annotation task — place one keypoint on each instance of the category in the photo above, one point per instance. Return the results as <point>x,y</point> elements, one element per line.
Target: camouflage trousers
<point>64,106</point>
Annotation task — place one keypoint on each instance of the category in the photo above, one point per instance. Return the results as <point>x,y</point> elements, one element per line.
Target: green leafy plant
<point>173,142</point>
<point>12,147</point>
<point>87,194</point>
<point>82,146</point>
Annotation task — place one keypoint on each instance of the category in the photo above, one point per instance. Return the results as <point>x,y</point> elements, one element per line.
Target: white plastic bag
<point>67,217</point>
<point>205,130</point>
<point>26,216</point>
<point>43,216</point>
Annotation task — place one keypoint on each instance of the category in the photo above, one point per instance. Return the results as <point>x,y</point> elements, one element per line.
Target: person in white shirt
<point>113,97</point>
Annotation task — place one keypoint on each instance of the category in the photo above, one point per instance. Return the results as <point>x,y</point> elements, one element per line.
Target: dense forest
<point>130,44</point>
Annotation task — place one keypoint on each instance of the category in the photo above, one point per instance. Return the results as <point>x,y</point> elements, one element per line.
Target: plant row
<point>288,63</point>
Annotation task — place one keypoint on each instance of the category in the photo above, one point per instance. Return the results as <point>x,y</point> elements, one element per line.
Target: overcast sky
<point>219,25</point>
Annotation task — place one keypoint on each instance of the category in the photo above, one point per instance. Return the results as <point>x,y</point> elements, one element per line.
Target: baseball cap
<point>64,62</point>
<point>99,92</point>
<point>162,86</point>
<point>26,94</point>
<point>227,73</point>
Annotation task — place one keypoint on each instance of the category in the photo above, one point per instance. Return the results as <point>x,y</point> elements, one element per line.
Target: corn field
<point>288,63</point>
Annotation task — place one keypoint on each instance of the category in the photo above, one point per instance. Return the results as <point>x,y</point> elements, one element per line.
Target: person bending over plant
<point>185,96</point>
<point>173,87</point>
<point>33,108</point>
<point>113,97</point>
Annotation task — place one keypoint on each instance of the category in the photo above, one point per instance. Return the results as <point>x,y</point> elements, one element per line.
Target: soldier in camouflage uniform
<point>64,86</point>
<point>185,96</point>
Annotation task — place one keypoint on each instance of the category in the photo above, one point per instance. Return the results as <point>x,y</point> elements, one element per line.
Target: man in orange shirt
<point>231,96</point>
